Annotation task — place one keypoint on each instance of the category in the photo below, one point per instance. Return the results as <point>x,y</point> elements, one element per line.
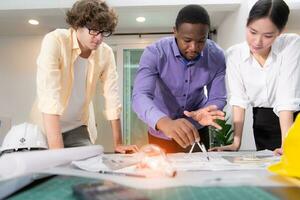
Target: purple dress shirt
<point>166,83</point>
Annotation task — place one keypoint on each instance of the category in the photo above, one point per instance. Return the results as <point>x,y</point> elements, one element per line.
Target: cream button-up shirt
<point>55,75</point>
<point>275,85</point>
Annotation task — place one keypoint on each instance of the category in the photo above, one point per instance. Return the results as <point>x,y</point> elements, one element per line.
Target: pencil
<point>122,174</point>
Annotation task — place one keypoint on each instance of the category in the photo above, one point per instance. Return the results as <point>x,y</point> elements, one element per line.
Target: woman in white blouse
<point>263,72</point>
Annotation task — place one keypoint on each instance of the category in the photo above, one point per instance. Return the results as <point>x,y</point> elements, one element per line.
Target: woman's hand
<point>235,146</point>
<point>278,152</point>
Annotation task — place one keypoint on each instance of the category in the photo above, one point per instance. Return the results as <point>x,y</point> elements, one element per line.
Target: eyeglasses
<point>95,32</point>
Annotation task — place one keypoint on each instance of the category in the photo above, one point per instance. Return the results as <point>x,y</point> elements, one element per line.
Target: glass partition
<point>134,130</point>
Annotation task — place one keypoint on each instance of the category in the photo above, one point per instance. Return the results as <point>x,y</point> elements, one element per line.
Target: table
<point>243,184</point>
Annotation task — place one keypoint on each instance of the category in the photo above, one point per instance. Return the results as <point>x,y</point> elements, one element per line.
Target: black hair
<point>277,10</point>
<point>194,14</point>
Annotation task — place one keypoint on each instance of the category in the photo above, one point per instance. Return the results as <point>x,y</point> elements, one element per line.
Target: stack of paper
<point>222,161</point>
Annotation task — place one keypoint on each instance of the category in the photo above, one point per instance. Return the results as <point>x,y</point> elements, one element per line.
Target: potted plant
<point>221,137</point>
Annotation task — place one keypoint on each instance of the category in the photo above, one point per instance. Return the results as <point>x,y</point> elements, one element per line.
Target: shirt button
<point>186,81</point>
<point>184,95</point>
<point>182,106</point>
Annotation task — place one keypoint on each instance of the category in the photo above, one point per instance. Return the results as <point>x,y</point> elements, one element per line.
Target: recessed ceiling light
<point>33,22</point>
<point>140,19</point>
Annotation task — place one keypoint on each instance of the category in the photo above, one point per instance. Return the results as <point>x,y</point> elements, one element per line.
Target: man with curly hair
<point>70,63</point>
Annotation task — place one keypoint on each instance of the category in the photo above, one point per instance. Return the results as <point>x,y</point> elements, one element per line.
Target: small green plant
<point>221,137</point>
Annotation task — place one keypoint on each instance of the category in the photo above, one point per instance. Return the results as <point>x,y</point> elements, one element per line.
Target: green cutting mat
<point>60,187</point>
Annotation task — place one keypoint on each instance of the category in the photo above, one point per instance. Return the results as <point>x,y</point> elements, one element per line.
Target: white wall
<point>17,79</point>
<point>17,76</point>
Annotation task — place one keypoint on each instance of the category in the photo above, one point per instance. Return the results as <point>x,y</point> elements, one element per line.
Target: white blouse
<point>275,85</point>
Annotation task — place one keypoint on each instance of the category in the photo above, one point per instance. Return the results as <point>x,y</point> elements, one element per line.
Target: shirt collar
<point>246,51</point>
<point>74,39</point>
<point>175,48</point>
<point>275,47</point>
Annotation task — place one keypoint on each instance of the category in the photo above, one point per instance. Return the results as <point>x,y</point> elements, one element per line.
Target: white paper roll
<point>22,163</point>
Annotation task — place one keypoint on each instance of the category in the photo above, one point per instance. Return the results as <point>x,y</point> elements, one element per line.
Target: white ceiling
<point>160,14</point>
<point>14,22</point>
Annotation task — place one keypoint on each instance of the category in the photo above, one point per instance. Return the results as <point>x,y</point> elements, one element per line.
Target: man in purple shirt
<point>179,87</point>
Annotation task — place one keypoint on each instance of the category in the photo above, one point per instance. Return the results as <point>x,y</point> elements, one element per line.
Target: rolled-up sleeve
<point>49,76</point>
<point>109,80</point>
<point>236,88</point>
<point>144,87</point>
<point>288,91</point>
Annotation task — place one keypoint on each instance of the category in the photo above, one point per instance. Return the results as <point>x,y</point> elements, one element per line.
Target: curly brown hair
<point>93,14</point>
